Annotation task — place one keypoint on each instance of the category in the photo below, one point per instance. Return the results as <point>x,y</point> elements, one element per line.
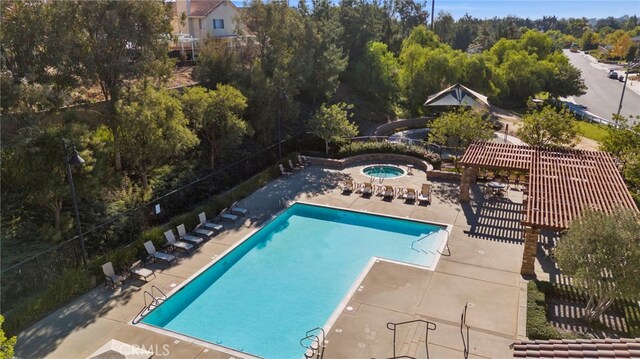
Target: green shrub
<point>360,148</point>
<point>71,284</point>
<point>6,344</point>
<point>538,327</point>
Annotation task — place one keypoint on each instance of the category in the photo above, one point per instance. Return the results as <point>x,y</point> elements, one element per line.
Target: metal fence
<point>36,273</point>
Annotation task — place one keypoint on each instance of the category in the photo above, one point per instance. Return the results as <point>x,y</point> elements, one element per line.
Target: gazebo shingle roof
<point>562,182</point>
<point>578,348</point>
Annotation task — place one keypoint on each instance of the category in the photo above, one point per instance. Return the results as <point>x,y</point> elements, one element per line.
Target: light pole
<point>624,86</point>
<point>281,99</point>
<point>74,160</point>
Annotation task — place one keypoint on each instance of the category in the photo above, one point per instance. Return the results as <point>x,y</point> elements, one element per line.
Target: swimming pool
<point>290,276</point>
<point>380,171</point>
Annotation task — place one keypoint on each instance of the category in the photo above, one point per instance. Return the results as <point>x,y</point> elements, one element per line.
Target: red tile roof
<point>578,348</point>
<point>204,7</point>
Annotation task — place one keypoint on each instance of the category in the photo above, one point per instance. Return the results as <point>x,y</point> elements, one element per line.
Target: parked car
<point>612,75</point>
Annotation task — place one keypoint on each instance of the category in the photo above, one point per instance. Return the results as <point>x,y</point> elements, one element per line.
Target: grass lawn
<point>593,131</point>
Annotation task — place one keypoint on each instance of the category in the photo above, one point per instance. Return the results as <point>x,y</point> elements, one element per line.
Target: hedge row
<point>361,148</point>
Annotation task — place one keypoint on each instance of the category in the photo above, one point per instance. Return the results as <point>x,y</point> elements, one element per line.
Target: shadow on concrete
<point>45,336</point>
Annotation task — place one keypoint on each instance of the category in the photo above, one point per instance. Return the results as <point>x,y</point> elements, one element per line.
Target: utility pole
<point>624,85</point>
<point>433,8</point>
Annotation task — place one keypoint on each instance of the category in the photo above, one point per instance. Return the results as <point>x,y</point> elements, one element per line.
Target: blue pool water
<point>383,171</point>
<point>289,277</point>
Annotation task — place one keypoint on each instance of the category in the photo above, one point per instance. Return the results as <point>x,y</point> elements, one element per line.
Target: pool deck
<point>483,269</point>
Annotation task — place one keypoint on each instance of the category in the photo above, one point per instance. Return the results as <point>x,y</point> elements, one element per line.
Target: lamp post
<point>74,160</point>
<point>281,99</point>
<point>624,86</point>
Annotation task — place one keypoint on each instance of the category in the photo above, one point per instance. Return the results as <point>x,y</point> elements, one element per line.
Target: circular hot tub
<point>383,171</point>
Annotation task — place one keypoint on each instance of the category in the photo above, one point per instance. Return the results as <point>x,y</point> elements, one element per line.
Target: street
<point>603,94</point>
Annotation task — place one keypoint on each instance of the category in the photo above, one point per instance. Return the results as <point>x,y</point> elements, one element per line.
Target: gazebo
<point>561,183</point>
<point>457,95</point>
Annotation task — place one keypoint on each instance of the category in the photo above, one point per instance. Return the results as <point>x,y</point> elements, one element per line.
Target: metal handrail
<point>318,350</point>
<point>154,301</point>
<point>430,326</point>
<point>164,296</point>
<point>418,240</point>
<point>463,324</point>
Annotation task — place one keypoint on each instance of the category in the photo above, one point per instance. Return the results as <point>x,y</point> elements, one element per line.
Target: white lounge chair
<point>184,236</point>
<point>302,160</point>
<point>347,186</point>
<point>295,168</point>
<point>367,189</point>
<point>425,194</point>
<point>110,276</point>
<point>151,249</point>
<point>224,214</point>
<point>140,272</point>
<point>237,210</point>
<point>388,191</point>
<point>410,194</point>
<point>207,226</point>
<point>283,171</point>
<point>171,239</point>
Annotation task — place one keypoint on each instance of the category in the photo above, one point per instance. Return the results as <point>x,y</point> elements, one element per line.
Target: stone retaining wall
<point>390,128</point>
<point>444,175</point>
<point>371,158</point>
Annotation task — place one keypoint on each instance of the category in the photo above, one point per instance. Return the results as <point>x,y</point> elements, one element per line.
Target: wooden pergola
<point>561,183</point>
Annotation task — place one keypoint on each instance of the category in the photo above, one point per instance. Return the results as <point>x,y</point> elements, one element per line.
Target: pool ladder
<point>380,178</point>
<point>431,252</point>
<point>155,300</point>
<point>285,201</point>
<point>314,342</point>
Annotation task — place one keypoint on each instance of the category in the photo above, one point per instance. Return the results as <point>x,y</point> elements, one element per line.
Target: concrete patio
<point>483,269</point>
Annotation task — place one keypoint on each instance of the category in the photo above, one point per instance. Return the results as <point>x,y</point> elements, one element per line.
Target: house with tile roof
<point>195,20</point>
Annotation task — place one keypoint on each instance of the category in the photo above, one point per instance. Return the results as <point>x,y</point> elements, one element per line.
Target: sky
<point>529,8</point>
<point>538,9</point>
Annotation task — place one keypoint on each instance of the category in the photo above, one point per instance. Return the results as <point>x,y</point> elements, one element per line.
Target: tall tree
<point>117,40</point>
<point>154,129</point>
<point>461,127</point>
<point>548,127</point>
<point>217,116</point>
<point>601,252</point>
<point>331,123</point>
<point>377,75</point>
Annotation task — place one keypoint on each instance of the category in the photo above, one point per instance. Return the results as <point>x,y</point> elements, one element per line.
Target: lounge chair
<point>140,272</point>
<point>425,194</point>
<point>302,160</point>
<point>283,171</point>
<point>295,168</point>
<point>186,237</point>
<point>151,249</point>
<point>110,276</point>
<point>207,227</point>
<point>347,186</point>
<point>388,191</point>
<point>224,214</point>
<point>237,210</point>
<point>410,194</point>
<point>171,239</point>
<point>367,189</point>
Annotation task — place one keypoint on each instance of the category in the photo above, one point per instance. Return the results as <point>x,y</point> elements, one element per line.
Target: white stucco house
<point>195,20</point>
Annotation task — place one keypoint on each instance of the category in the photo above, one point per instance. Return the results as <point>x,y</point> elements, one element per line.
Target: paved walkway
<point>483,269</point>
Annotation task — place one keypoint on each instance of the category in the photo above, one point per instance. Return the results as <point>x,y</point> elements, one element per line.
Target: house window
<point>200,24</point>
<point>218,23</point>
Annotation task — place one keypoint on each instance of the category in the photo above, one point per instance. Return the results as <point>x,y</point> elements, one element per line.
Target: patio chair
<point>171,239</point>
<point>283,171</point>
<point>490,176</point>
<point>410,194</point>
<point>389,191</point>
<point>224,214</point>
<point>425,194</point>
<point>295,168</point>
<point>151,249</point>
<point>367,189</point>
<point>110,276</point>
<point>207,227</point>
<point>237,210</point>
<point>189,238</point>
<point>347,186</point>
<point>140,272</point>
<point>302,160</point>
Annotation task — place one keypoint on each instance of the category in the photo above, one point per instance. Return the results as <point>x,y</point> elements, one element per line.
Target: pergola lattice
<point>561,183</point>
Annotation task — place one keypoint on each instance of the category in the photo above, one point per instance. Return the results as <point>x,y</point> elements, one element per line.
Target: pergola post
<point>530,248</point>
<point>465,184</point>
<point>473,175</point>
